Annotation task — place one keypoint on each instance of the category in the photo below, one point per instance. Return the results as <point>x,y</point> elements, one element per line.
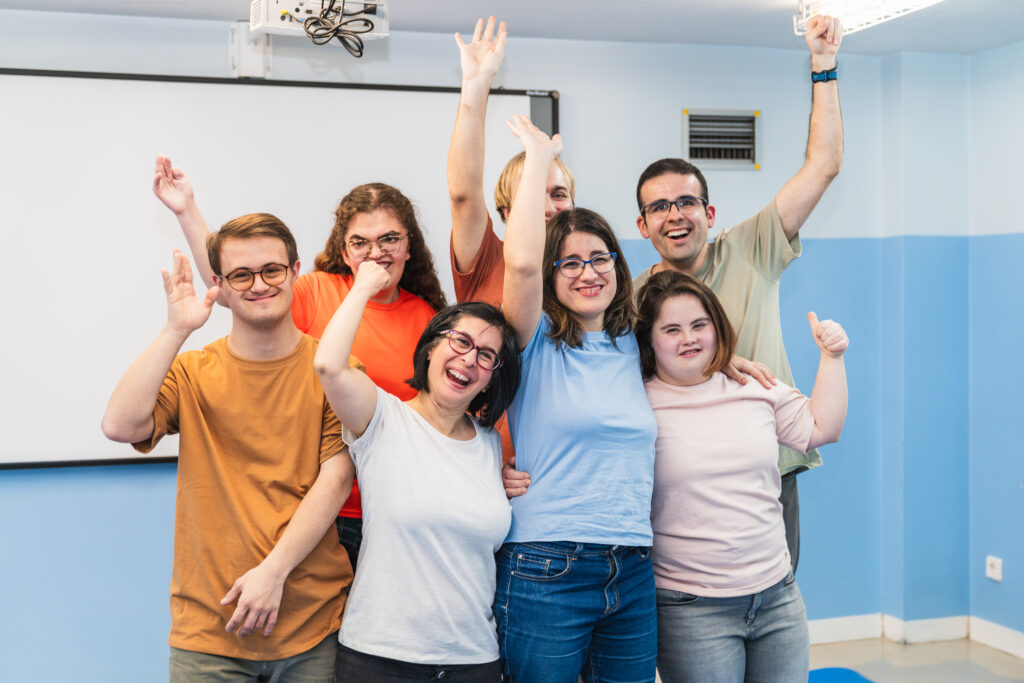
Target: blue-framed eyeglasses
<point>574,267</point>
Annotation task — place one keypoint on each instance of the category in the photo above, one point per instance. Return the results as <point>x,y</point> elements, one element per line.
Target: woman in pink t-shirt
<point>728,606</point>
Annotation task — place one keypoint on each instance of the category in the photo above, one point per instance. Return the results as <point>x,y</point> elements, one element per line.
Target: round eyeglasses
<point>574,267</point>
<point>242,279</point>
<point>388,244</point>
<point>462,343</point>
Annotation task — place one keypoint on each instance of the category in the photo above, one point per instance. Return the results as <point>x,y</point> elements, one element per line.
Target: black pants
<point>352,666</point>
<point>790,500</point>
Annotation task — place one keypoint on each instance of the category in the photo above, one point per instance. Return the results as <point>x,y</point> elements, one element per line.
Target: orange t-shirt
<point>385,342</point>
<point>484,282</point>
<point>253,436</point>
<point>485,279</point>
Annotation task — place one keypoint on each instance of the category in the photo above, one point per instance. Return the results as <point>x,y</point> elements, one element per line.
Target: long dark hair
<point>419,276</point>
<point>620,314</point>
<point>489,405</point>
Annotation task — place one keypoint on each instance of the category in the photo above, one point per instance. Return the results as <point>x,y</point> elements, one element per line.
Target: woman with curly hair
<point>374,222</point>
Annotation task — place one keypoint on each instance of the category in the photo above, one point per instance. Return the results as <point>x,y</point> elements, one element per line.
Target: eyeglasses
<point>242,279</point>
<point>574,267</point>
<point>388,244</point>
<point>685,204</point>
<point>462,343</point>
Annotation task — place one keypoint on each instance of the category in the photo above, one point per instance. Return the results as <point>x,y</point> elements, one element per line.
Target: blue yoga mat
<point>836,675</point>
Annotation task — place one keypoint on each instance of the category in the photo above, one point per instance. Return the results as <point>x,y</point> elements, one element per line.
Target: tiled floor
<point>956,661</point>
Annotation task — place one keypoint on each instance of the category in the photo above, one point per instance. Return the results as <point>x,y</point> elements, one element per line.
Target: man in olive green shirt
<point>743,265</point>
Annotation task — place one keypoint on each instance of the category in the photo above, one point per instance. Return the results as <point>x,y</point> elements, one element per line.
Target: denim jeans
<point>350,536</point>
<point>752,638</point>
<point>567,609</point>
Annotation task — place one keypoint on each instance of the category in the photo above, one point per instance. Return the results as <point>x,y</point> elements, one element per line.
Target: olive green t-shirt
<point>743,267</point>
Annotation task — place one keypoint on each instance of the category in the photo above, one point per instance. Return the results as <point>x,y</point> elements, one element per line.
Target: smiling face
<point>455,379</point>
<point>683,339</point>
<point>369,228</point>
<point>589,294</point>
<point>680,236</point>
<point>262,305</point>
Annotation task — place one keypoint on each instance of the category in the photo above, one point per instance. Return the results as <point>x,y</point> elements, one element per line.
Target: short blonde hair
<point>509,181</point>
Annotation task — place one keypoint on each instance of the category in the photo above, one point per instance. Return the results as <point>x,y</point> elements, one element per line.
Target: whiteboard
<point>85,238</point>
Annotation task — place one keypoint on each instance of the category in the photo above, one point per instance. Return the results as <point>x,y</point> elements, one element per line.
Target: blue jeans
<point>568,609</point>
<point>751,638</point>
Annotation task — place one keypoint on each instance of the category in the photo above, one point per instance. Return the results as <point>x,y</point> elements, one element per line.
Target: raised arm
<point>522,296</point>
<point>129,414</point>
<point>259,590</point>
<point>480,61</point>
<point>801,193</point>
<point>174,189</point>
<point>350,392</point>
<point>829,398</point>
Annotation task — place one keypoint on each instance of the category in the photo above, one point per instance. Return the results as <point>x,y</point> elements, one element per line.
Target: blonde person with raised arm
<point>575,584</point>
<point>729,609</point>
<point>261,467</point>
<point>434,508</point>
<point>374,222</point>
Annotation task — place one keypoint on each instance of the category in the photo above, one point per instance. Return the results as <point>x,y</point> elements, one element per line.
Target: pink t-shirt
<point>717,520</point>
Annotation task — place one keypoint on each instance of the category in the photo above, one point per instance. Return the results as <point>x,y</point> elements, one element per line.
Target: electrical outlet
<point>994,567</point>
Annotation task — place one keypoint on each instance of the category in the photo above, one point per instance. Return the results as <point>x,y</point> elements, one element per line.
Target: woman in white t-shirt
<point>434,510</point>
<point>729,609</point>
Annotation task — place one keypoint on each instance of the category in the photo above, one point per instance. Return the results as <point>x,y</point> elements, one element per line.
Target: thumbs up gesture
<point>828,335</point>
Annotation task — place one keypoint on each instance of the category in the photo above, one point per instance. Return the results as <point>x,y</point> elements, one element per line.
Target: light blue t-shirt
<point>584,430</point>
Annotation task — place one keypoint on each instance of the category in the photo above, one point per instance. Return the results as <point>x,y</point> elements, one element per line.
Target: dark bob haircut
<point>660,288</point>
<point>489,405</point>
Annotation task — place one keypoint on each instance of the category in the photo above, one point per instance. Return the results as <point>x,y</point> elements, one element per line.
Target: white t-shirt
<point>717,520</point>
<point>434,514</point>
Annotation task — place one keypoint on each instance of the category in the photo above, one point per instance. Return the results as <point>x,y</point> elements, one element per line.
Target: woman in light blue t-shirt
<point>575,585</point>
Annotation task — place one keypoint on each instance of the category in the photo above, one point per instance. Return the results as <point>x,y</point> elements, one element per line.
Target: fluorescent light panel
<point>856,14</point>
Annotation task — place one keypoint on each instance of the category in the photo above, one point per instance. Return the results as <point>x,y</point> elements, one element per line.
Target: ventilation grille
<point>730,138</point>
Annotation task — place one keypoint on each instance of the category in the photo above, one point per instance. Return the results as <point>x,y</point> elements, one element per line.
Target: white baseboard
<point>996,636</point>
<point>924,630</point>
<point>838,629</point>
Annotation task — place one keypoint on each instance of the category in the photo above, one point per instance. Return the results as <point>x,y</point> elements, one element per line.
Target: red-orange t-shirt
<point>385,342</point>
<point>484,282</point>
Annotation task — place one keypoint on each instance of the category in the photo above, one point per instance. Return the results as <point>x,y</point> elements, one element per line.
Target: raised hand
<point>258,593</point>
<point>171,185</point>
<point>535,141</point>
<point>824,34</point>
<point>371,277</point>
<point>186,312</point>
<point>828,335</point>
<point>482,57</point>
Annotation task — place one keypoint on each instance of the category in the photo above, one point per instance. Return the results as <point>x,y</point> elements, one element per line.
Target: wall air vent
<point>721,139</point>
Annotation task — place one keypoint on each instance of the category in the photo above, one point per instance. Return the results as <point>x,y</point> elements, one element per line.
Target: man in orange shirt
<point>477,254</point>
<point>259,447</point>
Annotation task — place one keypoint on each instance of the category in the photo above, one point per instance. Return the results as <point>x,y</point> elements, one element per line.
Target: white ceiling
<point>962,26</point>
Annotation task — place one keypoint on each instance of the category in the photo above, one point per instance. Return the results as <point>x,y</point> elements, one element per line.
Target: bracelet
<point>825,75</point>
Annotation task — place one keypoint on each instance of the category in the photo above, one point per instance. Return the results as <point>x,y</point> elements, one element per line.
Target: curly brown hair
<point>620,315</point>
<point>419,276</point>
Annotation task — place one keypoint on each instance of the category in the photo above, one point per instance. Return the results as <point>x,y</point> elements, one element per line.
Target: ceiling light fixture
<point>855,14</point>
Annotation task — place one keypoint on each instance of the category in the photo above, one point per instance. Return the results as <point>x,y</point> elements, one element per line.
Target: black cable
<point>337,23</point>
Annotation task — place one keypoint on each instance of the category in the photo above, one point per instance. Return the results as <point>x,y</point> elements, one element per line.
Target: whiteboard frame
<point>543,110</point>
